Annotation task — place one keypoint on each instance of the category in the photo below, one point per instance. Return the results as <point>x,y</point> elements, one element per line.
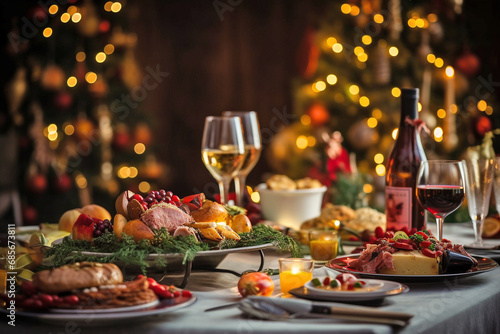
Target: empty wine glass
<point>440,188</point>
<point>223,150</point>
<point>479,183</point>
<point>253,147</point>
<point>496,184</point>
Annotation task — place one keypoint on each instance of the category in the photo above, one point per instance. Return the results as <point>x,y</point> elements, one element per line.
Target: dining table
<point>461,304</point>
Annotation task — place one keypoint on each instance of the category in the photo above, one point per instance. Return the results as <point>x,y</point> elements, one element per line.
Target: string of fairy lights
<point>334,44</point>
<point>74,14</point>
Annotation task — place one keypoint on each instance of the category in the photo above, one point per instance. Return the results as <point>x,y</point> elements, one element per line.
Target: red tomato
<point>346,278</point>
<point>255,284</point>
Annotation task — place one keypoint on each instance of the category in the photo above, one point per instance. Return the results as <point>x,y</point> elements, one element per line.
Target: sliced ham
<point>165,215</point>
<point>184,231</point>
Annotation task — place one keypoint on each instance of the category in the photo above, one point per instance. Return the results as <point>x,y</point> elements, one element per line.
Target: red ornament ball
<point>104,26</point>
<point>319,114</point>
<point>63,101</point>
<point>30,215</point>
<point>482,126</point>
<point>37,184</point>
<point>62,183</point>
<point>468,63</point>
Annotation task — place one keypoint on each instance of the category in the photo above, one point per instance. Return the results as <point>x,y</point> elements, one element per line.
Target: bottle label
<point>398,207</point>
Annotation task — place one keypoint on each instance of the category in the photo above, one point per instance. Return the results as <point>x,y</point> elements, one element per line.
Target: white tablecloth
<point>467,305</point>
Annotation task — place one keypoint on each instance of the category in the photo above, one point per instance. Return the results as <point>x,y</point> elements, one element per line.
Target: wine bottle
<point>402,208</point>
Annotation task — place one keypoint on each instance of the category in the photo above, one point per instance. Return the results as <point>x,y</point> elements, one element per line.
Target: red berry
<point>71,299</point>
<point>28,288</point>
<point>145,205</point>
<point>167,295</point>
<point>372,239</point>
<point>425,236</point>
<point>389,234</point>
<point>159,289</point>
<point>175,198</point>
<point>138,197</point>
<point>176,293</point>
<point>186,293</point>
<point>379,232</point>
<point>425,244</point>
<point>152,282</point>
<point>46,299</point>
<point>326,281</point>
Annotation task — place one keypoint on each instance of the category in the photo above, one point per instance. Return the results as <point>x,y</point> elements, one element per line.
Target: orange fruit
<point>491,227</point>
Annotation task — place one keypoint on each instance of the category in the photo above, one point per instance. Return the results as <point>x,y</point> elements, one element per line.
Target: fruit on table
<point>255,284</point>
<point>68,219</point>
<point>96,211</point>
<point>122,202</point>
<point>137,229</point>
<point>491,227</point>
<point>87,228</point>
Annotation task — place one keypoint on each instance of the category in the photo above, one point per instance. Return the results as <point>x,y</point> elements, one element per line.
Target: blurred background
<point>103,96</point>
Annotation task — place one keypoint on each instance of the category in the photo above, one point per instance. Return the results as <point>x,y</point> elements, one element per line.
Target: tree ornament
<point>121,137</point>
<point>468,63</point>
<point>30,215</point>
<point>308,54</point>
<point>319,114</point>
<point>62,182</point>
<point>382,66</point>
<point>53,77</point>
<point>63,100</point>
<point>482,125</point>
<point>37,184</point>
<point>361,136</point>
<point>83,128</point>
<point>104,26</point>
<point>142,134</point>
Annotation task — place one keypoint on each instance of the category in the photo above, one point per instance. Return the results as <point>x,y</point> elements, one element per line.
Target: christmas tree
<point>72,105</point>
<point>353,63</point>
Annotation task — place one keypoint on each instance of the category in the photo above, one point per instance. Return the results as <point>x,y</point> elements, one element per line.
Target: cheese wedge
<point>413,263</point>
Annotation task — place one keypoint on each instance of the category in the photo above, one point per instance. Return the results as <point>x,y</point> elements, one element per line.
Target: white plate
<point>106,310</point>
<point>388,289</point>
<point>98,318</point>
<point>372,284</point>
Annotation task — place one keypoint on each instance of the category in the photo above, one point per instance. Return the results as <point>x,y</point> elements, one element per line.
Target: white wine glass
<point>441,188</point>
<point>223,150</point>
<point>480,173</point>
<point>253,148</point>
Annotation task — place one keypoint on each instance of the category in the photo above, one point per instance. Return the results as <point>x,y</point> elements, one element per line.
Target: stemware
<point>253,148</point>
<point>479,182</point>
<point>496,184</point>
<point>440,188</point>
<point>223,150</point>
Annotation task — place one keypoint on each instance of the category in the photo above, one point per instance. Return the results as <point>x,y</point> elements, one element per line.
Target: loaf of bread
<point>77,276</point>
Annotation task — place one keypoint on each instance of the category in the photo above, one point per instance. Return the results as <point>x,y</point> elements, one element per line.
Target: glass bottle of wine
<point>401,205</point>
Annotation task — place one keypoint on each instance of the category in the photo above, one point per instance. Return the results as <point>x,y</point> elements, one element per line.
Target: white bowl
<point>290,208</point>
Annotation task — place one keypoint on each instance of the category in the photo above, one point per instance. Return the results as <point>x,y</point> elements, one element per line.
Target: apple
<point>255,284</point>
<point>83,229</point>
<point>68,219</point>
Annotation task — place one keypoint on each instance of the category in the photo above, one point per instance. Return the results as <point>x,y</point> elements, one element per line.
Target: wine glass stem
<point>478,231</point>
<point>239,186</point>
<point>224,189</point>
<point>439,229</point>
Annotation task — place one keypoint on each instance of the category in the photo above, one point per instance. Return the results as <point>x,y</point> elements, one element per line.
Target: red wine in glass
<point>441,200</point>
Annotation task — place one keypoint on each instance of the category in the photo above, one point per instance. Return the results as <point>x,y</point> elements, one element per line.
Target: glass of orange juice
<point>294,273</point>
<point>323,244</point>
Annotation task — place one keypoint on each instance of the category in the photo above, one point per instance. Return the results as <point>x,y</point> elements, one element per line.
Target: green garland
<point>128,251</point>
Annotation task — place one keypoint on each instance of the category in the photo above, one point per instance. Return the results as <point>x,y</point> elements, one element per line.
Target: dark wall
<point>240,58</point>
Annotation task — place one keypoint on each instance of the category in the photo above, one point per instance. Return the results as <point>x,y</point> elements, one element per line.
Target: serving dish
<point>340,264</point>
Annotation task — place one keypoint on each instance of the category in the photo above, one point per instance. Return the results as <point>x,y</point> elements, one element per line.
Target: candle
<point>323,244</point>
<point>450,139</point>
<point>294,273</point>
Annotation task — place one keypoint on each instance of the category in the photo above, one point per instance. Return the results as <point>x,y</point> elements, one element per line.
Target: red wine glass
<point>441,188</point>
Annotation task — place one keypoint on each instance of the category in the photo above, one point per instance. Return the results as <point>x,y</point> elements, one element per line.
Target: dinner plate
<point>340,264</point>
<point>387,289</point>
<point>371,284</point>
<point>99,318</point>
<point>106,310</point>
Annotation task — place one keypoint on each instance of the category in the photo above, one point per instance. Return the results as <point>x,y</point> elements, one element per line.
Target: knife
<point>296,306</point>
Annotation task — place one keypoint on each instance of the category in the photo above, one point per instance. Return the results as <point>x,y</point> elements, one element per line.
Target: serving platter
<point>101,317</point>
<point>340,264</point>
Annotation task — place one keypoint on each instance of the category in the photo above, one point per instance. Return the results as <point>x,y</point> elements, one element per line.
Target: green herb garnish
<point>128,251</point>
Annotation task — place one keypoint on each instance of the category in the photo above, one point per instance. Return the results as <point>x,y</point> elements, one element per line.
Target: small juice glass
<point>323,244</point>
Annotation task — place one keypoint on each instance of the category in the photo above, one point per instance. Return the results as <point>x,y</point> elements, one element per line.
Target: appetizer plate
<point>107,310</point>
<point>99,318</point>
<point>386,289</point>
<point>371,284</point>
<point>340,264</point>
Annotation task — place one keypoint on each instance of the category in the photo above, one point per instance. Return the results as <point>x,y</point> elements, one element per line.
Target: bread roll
<point>77,276</point>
